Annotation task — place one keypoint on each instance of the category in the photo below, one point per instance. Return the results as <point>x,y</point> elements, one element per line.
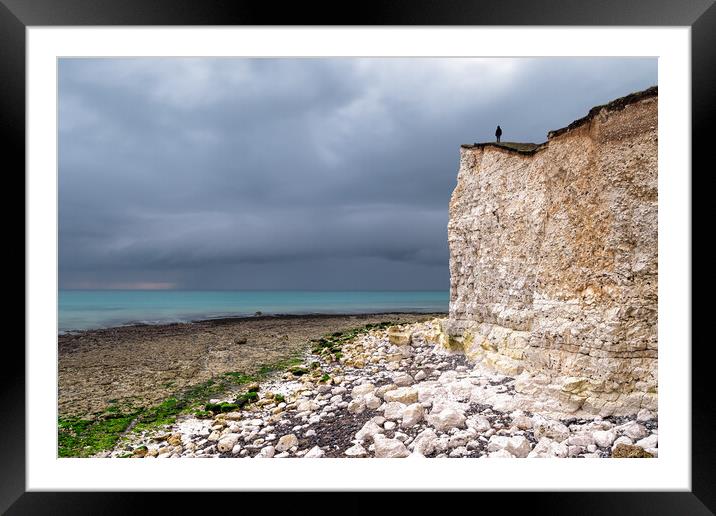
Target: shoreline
<point>138,366</point>
<point>239,318</point>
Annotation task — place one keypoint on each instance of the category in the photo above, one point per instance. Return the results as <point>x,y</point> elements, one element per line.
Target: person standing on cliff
<point>498,133</point>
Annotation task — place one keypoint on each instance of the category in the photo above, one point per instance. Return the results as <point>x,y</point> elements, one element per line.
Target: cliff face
<point>553,261</point>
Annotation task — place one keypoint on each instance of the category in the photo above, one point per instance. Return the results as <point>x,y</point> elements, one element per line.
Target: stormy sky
<point>320,174</point>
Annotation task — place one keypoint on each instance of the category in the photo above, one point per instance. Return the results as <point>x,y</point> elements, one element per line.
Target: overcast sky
<point>320,174</point>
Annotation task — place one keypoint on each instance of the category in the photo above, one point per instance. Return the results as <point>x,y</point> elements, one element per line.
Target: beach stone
<point>448,376</point>
<point>286,443</point>
<point>393,410</point>
<point>582,440</point>
<point>227,442</point>
<point>447,419</point>
<point>253,387</point>
<point>405,395</point>
<point>362,390</point>
<point>622,440</point>
<point>390,425</point>
<point>604,438</point>
<point>315,453</point>
<point>635,431</point>
<point>236,449</point>
<point>425,442</point>
<point>403,380</point>
<point>500,454</point>
<point>645,415</point>
<point>478,423</point>
<point>380,391</point>
<point>522,422</point>
<point>369,430</point>
<point>518,445</point>
<point>356,406</point>
<point>460,390</point>
<point>412,415</point>
<point>548,448</point>
<point>459,439</point>
<point>266,453</point>
<point>378,420</point>
<point>372,401</point>
<point>356,451</point>
<point>389,448</point>
<point>648,442</point>
<point>420,375</point>
<point>551,428</point>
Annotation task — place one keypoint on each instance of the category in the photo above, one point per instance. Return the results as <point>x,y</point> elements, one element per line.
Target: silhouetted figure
<point>498,133</point>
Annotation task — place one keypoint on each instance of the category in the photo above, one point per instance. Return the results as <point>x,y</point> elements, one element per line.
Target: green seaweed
<point>83,438</point>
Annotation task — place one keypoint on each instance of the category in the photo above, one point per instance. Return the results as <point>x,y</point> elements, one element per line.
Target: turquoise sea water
<point>89,309</point>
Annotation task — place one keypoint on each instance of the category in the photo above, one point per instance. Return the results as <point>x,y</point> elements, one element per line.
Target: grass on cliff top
<point>82,437</point>
<point>522,147</point>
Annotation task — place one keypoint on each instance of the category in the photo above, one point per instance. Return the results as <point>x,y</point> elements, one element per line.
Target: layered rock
<point>553,260</point>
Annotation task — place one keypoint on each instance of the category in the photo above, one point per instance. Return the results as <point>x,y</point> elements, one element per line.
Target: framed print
<point>447,234</point>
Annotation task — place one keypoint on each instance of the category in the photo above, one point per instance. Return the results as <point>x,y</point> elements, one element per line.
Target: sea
<point>93,309</point>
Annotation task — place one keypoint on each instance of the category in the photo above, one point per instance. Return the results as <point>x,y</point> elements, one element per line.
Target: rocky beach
<point>382,390</point>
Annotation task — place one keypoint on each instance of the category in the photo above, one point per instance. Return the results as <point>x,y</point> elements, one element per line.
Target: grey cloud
<point>280,173</point>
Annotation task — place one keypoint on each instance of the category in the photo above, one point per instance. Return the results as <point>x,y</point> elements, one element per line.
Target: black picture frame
<point>700,15</point>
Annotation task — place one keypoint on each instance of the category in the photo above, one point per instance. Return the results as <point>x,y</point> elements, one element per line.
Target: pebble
<point>393,401</point>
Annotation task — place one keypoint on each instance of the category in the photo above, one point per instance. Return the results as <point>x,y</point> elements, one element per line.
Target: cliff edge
<point>553,261</point>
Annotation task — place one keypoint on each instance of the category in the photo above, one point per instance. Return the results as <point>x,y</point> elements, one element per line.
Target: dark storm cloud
<point>299,173</point>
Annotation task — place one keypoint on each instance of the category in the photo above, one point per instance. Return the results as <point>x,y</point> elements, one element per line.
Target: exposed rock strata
<point>553,261</point>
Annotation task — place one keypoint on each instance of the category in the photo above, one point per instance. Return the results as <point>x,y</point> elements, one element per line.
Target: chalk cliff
<point>553,260</point>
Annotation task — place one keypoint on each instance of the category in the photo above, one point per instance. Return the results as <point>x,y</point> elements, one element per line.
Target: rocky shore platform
<point>386,392</point>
